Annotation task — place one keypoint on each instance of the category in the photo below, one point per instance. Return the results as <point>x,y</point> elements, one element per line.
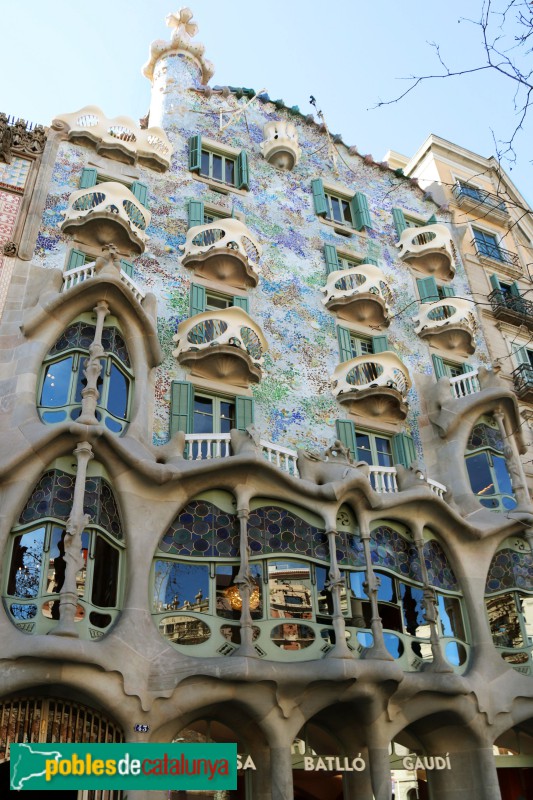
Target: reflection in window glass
<point>451,618</point>
<point>503,478</point>
<point>480,474</point>
<point>291,636</point>
<point>504,621</point>
<point>228,598</point>
<point>413,610</point>
<point>56,383</point>
<point>117,398</point>
<point>184,630</point>
<point>25,572</point>
<point>325,600</point>
<point>105,574</point>
<point>181,586</point>
<point>290,590</point>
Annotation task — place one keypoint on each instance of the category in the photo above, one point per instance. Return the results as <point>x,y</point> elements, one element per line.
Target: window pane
<point>56,384</point>
<point>217,167</point>
<point>203,415</point>
<point>346,212</point>
<point>387,590</point>
<point>364,453</point>
<point>56,562</point>
<point>503,479</point>
<point>181,587</point>
<point>227,416</point>
<point>384,452</point>
<point>290,590</point>
<point>504,621</point>
<point>480,474</point>
<point>336,209</point>
<point>325,600</point>
<point>26,561</point>
<point>204,168</point>
<point>230,172</point>
<point>413,610</point>
<point>117,397</point>
<point>451,618</point>
<point>105,574</point>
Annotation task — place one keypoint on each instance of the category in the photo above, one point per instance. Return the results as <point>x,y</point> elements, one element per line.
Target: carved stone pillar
<point>246,586</point>
<point>281,771</point>
<point>93,369</point>
<point>380,776</point>
<point>334,584</point>
<point>77,521</point>
<point>371,587</point>
<point>439,663</point>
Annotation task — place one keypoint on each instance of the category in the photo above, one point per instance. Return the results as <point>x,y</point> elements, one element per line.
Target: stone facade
<point>243,458</point>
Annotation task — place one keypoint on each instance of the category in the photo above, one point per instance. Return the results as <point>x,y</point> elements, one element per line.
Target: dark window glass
<point>230,172</point>
<point>56,384</point>
<point>117,398</point>
<point>217,167</point>
<point>480,474</point>
<point>502,475</point>
<point>413,610</point>
<point>105,574</point>
<point>336,209</point>
<point>226,416</point>
<point>203,415</point>
<point>346,212</point>
<point>204,169</point>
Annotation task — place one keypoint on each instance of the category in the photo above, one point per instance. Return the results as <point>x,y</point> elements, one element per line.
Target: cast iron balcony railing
<point>223,250</point>
<point>484,203</point>
<point>224,345</point>
<point>523,382</point>
<point>375,385</point>
<point>511,308</point>
<point>428,249</point>
<point>496,253</point>
<point>449,323</point>
<point>107,212</point>
<point>359,294</point>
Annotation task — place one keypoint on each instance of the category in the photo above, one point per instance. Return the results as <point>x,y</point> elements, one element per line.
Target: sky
<point>58,56</point>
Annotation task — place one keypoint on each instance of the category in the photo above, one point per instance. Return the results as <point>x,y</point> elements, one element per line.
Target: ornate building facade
<point>259,481</point>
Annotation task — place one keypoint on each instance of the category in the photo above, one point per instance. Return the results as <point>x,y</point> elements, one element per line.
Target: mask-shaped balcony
<point>222,345</point>
<point>107,212</point>
<point>224,250</point>
<point>373,385</point>
<point>280,145</point>
<point>450,324</point>
<point>429,250</point>
<point>359,294</point>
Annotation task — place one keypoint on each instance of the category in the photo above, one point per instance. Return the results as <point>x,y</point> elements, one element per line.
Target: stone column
<point>358,785</point>
<point>281,771</point>
<point>371,586</point>
<point>77,521</point>
<point>246,586</point>
<point>439,663</point>
<point>512,459</point>
<point>472,774</point>
<point>379,766</point>
<point>334,584</point>
<point>93,368</point>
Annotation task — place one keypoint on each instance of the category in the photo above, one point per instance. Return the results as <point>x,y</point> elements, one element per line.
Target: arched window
<point>63,379</point>
<point>486,465</point>
<point>36,570</point>
<point>509,603</point>
<point>401,597</point>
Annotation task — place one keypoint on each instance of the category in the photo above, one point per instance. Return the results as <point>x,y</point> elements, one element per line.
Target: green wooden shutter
<point>346,434</point>
<point>360,212</point>
<point>521,355</point>
<point>399,220</point>
<point>243,176</point>
<point>371,261</point>
<point>181,406</point>
<point>195,153</point>
<point>140,191</point>
<point>515,289</point>
<point>467,368</point>
<point>345,343</point>
<point>76,258</point>
<point>126,267</point>
<point>197,304</point>
<point>241,302</point>
<point>88,177</point>
<point>403,449</point>
<point>332,259</point>
<point>319,197</point>
<point>438,366</point>
<point>244,412</point>
<point>380,344</point>
<point>447,291</point>
<point>432,220</point>
<point>495,283</point>
<point>196,213</point>
<point>427,289</point>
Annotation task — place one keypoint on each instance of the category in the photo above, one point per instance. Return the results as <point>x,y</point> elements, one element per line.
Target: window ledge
<point>220,188</point>
<point>342,230</point>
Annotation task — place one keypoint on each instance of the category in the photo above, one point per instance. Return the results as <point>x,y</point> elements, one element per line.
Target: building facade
<point>259,480</point>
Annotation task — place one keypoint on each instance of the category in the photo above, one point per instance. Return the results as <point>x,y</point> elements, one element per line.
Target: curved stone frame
<point>499,497</point>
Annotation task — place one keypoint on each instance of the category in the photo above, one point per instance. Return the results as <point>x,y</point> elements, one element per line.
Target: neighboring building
<point>258,481</point>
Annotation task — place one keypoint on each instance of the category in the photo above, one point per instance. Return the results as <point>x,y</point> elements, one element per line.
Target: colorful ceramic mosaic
<point>15,174</point>
<point>202,530</point>
<point>294,405</point>
<point>484,435</point>
<point>53,496</point>
<point>440,573</point>
<point>276,530</point>
<point>390,549</point>
<point>81,335</point>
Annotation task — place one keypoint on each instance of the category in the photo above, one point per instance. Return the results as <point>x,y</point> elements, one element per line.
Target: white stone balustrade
<point>282,457</point>
<point>359,294</point>
<point>463,385</point>
<point>428,249</point>
<point>280,144</point>
<point>107,212</point>
<point>223,250</point>
<point>72,277</point>
<point>383,479</point>
<point>226,343</point>
<point>450,322</point>
<point>119,138</point>
<point>374,385</point>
